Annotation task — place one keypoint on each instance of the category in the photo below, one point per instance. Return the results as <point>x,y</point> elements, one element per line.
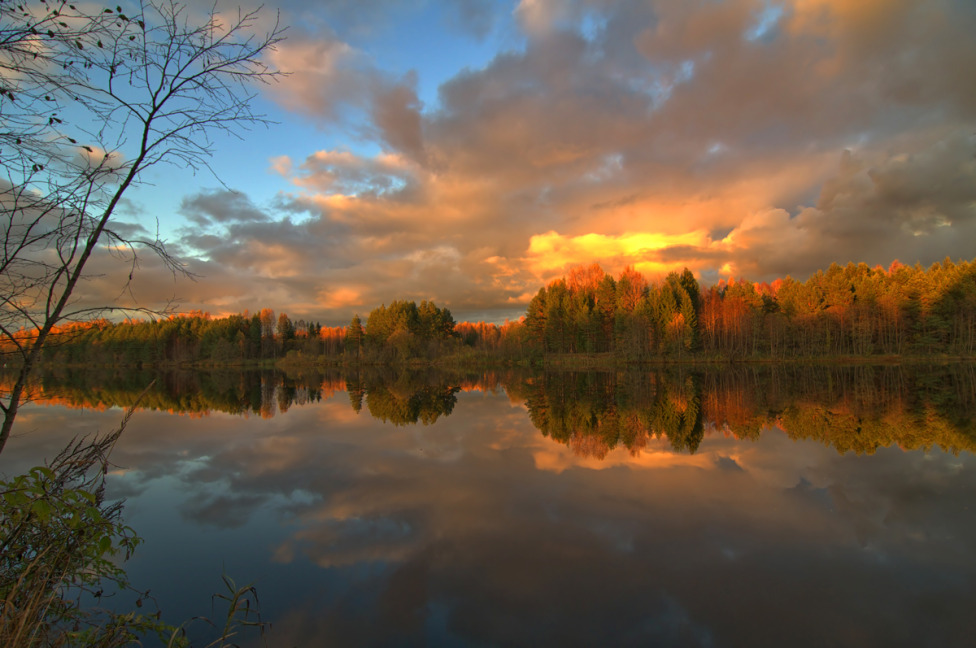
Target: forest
<point>851,311</point>
<point>848,310</point>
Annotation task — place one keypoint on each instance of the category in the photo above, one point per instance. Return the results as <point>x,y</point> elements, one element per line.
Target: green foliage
<point>596,412</point>
<point>285,329</point>
<point>404,330</point>
<point>61,542</point>
<point>62,549</point>
<point>355,335</point>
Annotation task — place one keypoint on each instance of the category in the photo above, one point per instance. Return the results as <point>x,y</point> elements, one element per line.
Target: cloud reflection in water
<point>477,529</point>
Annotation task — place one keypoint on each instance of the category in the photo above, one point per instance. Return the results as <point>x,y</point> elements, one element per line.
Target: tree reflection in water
<point>482,528</point>
<point>853,409</point>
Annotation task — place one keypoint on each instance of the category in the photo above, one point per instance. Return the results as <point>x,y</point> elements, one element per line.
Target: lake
<point>748,507</point>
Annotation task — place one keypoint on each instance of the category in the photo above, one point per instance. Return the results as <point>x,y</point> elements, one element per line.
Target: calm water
<point>751,508</point>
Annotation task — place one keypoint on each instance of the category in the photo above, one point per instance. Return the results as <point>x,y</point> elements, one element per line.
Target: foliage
<point>845,311</point>
<point>193,337</point>
<point>853,409</point>
<point>405,330</point>
<point>60,543</point>
<point>354,335</point>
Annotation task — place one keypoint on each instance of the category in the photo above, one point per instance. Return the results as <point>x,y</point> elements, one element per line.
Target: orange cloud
<point>553,252</point>
<point>340,298</point>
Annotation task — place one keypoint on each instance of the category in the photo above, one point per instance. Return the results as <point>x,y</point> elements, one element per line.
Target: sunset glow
<point>551,251</point>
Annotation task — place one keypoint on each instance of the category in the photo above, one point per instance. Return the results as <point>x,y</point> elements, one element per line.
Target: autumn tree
<point>354,335</point>
<point>91,98</point>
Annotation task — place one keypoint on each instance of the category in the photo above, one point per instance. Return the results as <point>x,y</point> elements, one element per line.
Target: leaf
<point>16,499</point>
<point>42,509</point>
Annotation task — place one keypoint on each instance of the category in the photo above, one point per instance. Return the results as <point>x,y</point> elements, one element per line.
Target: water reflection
<point>486,526</point>
<point>405,398</point>
<point>853,409</point>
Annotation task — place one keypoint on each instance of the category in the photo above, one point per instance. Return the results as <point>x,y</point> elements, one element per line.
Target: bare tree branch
<point>88,102</point>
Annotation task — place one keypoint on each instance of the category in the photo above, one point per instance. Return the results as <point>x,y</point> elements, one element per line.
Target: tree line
<point>850,310</point>
<point>403,330</point>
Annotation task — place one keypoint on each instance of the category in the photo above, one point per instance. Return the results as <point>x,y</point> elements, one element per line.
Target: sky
<point>468,152</point>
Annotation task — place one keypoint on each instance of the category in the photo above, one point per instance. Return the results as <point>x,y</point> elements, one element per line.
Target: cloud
<point>474,17</point>
<point>341,297</point>
<point>539,17</point>
<point>551,525</point>
<point>876,208</point>
<point>221,206</point>
<point>325,77</point>
<point>740,136</point>
<point>396,113</point>
<point>331,82</point>
<point>341,173</point>
<point>554,254</point>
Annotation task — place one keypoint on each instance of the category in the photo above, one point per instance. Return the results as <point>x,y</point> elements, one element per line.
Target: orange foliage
<point>636,285</point>
<point>585,278</point>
